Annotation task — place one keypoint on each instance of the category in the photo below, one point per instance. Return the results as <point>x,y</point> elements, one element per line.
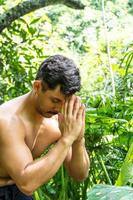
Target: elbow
<point>82,176</point>
<point>26,189</point>
<point>26,186</point>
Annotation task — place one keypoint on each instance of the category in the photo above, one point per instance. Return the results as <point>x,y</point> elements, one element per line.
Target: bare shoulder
<point>10,127</point>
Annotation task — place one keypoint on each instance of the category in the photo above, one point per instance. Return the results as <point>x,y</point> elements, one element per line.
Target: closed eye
<point>55,100</point>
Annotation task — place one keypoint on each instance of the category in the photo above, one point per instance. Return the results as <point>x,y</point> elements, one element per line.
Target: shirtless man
<point>49,114</point>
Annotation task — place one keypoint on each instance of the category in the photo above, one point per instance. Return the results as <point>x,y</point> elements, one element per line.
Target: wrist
<point>67,140</point>
<point>80,140</point>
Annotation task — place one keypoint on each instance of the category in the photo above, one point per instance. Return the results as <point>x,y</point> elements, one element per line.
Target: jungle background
<point>97,35</point>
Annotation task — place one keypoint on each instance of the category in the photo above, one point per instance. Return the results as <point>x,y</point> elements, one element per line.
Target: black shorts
<point>11,192</point>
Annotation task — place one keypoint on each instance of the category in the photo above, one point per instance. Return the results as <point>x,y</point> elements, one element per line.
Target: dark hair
<point>60,70</point>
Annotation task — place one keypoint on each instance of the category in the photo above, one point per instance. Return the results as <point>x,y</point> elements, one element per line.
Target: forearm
<point>40,171</point>
<point>79,164</point>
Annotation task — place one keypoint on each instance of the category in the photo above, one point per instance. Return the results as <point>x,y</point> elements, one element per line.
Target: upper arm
<point>15,155</point>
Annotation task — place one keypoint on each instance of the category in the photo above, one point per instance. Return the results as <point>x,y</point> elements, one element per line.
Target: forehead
<point>56,93</point>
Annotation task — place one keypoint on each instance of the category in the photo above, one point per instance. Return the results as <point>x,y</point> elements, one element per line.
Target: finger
<point>80,113</point>
<point>76,107</point>
<point>71,105</point>
<point>83,115</point>
<point>60,117</point>
<point>65,107</point>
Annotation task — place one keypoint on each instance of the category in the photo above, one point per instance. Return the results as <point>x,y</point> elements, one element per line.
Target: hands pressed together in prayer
<point>72,119</point>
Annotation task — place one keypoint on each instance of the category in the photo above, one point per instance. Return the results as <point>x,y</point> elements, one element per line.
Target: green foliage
<point>109,119</point>
<point>126,173</point>
<point>130,3</point>
<point>20,53</point>
<point>2,2</point>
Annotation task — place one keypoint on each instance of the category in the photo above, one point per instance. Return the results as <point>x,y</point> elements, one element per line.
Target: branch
<point>31,5</point>
<point>108,49</point>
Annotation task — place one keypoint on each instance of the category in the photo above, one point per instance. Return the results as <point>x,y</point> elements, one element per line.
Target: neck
<point>29,108</point>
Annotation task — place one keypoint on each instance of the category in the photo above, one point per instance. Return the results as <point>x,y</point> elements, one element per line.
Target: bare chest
<point>39,139</point>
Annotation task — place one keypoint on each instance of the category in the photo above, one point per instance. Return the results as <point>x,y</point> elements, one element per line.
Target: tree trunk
<point>30,5</point>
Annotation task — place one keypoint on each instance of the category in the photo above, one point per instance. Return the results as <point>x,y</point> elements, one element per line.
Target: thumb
<point>60,121</point>
<point>60,117</point>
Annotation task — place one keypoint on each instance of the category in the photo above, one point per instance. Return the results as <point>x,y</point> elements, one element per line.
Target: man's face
<point>50,102</point>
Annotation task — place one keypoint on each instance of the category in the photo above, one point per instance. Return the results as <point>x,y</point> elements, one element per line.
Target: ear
<point>37,86</point>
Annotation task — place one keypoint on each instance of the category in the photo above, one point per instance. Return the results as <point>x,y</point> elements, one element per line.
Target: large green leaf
<point>126,173</point>
<point>107,192</point>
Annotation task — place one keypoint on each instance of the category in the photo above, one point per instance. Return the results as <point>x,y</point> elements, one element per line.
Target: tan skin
<point>28,125</point>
